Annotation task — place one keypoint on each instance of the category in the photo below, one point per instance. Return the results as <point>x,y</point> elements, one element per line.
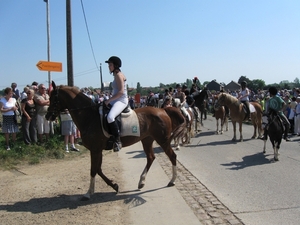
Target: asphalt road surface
<point>254,187</point>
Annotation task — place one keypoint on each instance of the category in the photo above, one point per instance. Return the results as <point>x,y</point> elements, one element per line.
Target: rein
<point>56,102</point>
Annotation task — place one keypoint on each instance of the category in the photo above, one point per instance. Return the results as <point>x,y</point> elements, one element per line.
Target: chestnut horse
<point>160,125</point>
<point>237,114</point>
<point>220,115</point>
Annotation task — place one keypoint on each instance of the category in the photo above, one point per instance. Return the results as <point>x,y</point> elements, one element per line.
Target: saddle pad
<point>252,108</point>
<point>264,121</point>
<point>130,124</point>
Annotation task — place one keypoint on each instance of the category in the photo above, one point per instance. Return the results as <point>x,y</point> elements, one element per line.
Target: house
<point>232,86</point>
<point>214,86</point>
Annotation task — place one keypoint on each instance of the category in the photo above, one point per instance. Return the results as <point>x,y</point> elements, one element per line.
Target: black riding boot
<point>114,129</point>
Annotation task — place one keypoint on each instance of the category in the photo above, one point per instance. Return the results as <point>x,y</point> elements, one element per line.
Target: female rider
<point>118,100</point>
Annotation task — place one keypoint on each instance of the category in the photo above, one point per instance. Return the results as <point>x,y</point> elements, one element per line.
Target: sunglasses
<point>29,93</point>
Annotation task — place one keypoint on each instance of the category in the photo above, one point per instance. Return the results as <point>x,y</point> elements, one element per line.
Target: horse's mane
<point>76,94</point>
<point>200,94</point>
<point>228,98</point>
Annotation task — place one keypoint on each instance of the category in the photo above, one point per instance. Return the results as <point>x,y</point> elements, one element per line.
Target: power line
<point>87,29</point>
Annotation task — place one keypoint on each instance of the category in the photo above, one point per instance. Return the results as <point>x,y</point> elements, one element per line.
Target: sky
<point>159,41</point>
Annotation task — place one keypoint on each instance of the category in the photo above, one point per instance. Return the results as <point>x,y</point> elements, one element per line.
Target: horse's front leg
<point>91,190</point>
<point>264,148</point>
<point>217,124</point>
<point>276,152</point>
<point>226,123</point>
<point>241,131</point>
<point>96,162</point>
<point>234,130</point>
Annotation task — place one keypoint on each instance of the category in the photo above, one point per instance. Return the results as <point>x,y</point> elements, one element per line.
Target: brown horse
<point>237,114</point>
<point>220,115</point>
<point>160,125</point>
<point>190,131</point>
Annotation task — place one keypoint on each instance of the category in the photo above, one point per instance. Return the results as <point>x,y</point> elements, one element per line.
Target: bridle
<point>56,109</point>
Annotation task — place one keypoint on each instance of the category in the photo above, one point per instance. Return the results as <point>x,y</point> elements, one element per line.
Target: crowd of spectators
<point>32,104</point>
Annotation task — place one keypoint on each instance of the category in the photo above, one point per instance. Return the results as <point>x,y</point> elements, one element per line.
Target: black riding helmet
<point>116,61</point>
<point>244,83</point>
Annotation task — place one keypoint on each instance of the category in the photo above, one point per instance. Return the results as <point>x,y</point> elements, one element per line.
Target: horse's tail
<point>178,122</point>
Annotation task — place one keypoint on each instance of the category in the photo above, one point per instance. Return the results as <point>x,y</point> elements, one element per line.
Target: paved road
<point>248,182</point>
<point>219,182</point>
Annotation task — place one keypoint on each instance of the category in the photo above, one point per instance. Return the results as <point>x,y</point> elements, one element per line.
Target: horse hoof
<point>171,184</point>
<point>276,159</point>
<point>141,186</point>
<point>116,187</point>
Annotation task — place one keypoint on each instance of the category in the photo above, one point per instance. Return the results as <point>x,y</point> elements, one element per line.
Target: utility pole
<point>48,39</point>
<point>102,88</point>
<point>69,44</point>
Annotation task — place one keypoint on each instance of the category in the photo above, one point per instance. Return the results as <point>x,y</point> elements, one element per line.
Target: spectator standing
<point>297,117</point>
<point>151,99</point>
<point>16,92</point>
<point>24,93</point>
<point>29,118</point>
<point>293,105</point>
<point>131,102</point>
<point>68,130</point>
<point>8,107</point>
<point>42,102</point>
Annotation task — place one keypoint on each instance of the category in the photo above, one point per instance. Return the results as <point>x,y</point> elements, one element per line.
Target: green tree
<point>138,88</point>
<point>258,84</point>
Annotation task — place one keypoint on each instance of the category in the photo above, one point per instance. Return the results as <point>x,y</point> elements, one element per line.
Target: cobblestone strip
<point>205,205</point>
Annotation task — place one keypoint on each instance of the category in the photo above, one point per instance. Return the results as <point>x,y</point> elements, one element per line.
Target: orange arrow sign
<point>49,66</point>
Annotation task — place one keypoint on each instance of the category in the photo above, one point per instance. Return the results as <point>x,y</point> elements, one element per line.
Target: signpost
<point>49,66</point>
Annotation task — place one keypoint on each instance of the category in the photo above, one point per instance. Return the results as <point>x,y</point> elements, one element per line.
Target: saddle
<point>272,115</point>
<point>127,122</point>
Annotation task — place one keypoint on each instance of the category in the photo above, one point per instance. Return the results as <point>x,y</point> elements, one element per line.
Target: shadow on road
<point>47,204</point>
<point>247,161</point>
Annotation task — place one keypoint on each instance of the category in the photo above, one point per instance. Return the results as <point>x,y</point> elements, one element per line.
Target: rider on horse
<point>244,97</point>
<point>276,103</point>
<point>181,96</point>
<point>118,100</point>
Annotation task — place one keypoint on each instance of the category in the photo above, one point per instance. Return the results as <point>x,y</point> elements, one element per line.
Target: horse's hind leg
<point>172,156</point>
<point>96,162</point>
<point>148,149</point>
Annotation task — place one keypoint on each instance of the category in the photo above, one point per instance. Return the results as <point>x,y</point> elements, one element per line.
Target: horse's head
<point>55,106</point>
<point>221,99</point>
